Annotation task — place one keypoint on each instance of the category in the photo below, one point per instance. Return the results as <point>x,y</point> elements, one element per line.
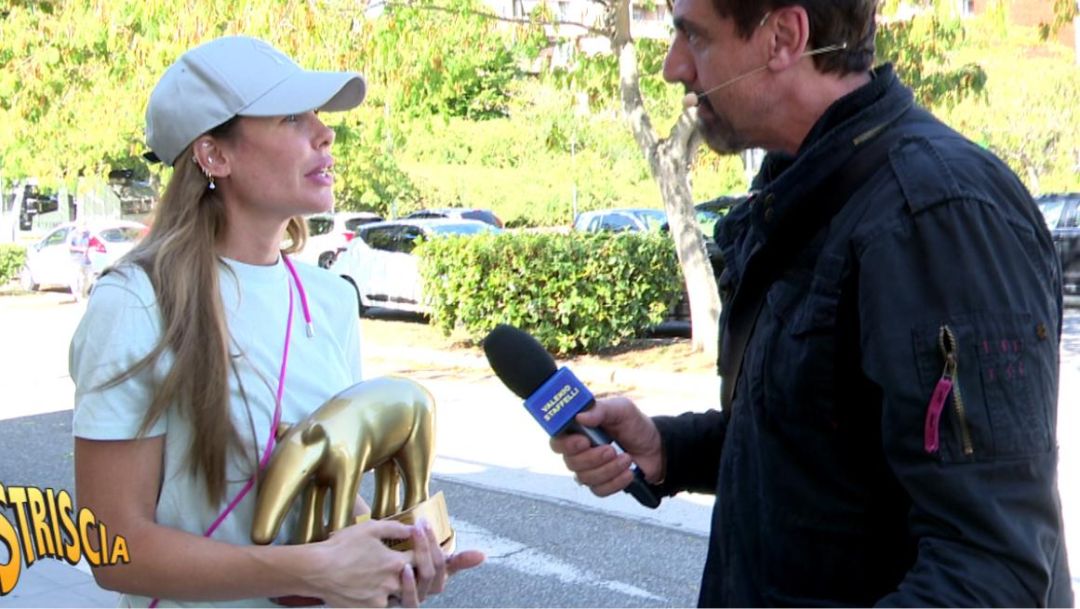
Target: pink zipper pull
<point>931,436</point>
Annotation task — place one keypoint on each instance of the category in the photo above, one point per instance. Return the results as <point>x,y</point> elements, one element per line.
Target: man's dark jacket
<point>829,487</point>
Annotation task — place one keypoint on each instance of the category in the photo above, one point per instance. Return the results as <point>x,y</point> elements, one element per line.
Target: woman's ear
<point>210,157</point>
<point>789,30</point>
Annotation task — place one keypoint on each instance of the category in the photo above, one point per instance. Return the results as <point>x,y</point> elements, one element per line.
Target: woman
<point>194,347</point>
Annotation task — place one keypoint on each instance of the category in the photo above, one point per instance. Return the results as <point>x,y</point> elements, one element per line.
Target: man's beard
<point>719,134</point>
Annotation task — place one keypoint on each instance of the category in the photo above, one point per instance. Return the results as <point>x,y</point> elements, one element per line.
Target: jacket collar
<point>784,180</point>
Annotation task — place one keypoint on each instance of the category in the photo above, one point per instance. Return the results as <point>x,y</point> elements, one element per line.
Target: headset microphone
<point>693,99</point>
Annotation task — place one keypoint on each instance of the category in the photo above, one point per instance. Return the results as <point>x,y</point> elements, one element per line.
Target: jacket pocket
<point>800,366</point>
<point>1001,400</point>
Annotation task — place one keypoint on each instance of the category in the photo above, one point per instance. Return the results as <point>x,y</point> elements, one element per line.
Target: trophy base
<point>433,510</point>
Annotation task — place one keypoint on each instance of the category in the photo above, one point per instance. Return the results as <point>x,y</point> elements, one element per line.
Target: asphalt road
<point>549,542</point>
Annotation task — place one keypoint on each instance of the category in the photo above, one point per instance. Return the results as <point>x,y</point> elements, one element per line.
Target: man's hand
<point>599,467</point>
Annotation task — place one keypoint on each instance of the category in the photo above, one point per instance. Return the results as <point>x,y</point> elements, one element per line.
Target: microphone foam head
<point>518,359</point>
<point>690,100</point>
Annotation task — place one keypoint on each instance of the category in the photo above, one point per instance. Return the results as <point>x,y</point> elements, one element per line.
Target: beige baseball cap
<point>237,76</point>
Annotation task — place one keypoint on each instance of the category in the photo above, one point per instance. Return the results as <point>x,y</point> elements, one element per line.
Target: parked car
<point>708,215</point>
<point>620,220</point>
<point>50,262</point>
<point>459,213</point>
<point>710,212</point>
<point>380,264</point>
<point>329,234</point>
<point>1062,215</point>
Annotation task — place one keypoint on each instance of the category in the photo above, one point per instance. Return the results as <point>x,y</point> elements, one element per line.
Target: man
<point>890,346</point>
<point>81,267</point>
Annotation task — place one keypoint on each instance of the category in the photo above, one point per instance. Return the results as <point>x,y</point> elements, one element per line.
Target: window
<point>123,234</point>
<point>381,238</point>
<point>617,223</point>
<point>408,238</point>
<point>1051,210</point>
<point>320,226</point>
<point>355,223</point>
<point>57,237</point>
<point>1072,214</point>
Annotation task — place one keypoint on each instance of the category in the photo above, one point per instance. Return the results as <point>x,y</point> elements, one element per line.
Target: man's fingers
<point>615,485</point>
<point>569,444</point>
<point>594,458</point>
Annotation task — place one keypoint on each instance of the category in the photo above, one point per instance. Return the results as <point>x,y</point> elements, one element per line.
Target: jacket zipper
<point>948,383</point>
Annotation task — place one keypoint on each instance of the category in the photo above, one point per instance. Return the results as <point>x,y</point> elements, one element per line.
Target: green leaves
<point>919,47</point>
<point>573,292</point>
<point>12,258</point>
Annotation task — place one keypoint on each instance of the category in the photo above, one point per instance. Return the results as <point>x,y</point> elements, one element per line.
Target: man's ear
<point>789,32</point>
<point>211,157</point>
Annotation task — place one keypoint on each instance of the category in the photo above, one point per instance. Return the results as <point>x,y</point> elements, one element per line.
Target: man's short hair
<point>831,22</point>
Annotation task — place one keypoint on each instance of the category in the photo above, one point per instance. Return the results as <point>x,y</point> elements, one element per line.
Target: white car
<point>620,220</point>
<point>50,262</point>
<point>380,264</point>
<point>329,234</point>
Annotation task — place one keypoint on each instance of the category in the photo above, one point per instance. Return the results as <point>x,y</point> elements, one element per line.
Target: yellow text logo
<point>46,525</point>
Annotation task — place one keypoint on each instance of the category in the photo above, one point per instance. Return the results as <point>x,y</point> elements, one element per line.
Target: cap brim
<point>304,91</point>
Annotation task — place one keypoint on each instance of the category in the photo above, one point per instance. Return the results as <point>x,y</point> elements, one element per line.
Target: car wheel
<point>26,280</point>
<point>326,259</point>
<point>359,301</point>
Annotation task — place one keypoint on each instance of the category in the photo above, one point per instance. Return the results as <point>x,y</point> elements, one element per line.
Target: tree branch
<point>518,20</point>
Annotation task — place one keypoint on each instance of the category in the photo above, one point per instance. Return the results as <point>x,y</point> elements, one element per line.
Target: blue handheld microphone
<point>552,396</point>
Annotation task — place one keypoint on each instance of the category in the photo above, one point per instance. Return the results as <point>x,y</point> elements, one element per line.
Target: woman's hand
<point>354,568</point>
<point>431,567</point>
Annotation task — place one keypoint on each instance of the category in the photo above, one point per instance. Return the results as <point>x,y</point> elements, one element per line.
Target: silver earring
<point>210,177</point>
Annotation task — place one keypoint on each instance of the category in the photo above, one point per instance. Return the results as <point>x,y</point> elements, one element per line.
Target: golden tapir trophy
<point>386,424</point>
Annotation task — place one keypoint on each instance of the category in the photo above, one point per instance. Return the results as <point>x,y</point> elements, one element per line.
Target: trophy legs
<point>387,484</point>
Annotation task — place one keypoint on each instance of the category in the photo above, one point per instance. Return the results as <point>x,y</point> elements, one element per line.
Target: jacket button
<point>1040,331</point>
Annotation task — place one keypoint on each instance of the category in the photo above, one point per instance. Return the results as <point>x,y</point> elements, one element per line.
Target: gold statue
<point>386,424</point>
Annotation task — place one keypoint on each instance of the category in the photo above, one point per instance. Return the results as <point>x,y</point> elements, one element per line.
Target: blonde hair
<point>179,255</point>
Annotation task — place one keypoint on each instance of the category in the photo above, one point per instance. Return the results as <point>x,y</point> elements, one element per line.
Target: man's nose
<point>677,64</point>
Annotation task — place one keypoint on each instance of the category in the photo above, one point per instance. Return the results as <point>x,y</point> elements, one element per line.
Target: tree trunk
<point>669,162</point>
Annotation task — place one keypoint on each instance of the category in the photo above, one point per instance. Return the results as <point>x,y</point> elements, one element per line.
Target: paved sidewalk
<point>53,583</point>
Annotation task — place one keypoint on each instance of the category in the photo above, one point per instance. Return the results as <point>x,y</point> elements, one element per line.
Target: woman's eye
<point>292,118</point>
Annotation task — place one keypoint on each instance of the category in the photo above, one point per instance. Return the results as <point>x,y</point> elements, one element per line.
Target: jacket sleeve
<point>972,274</point>
<point>691,444</point>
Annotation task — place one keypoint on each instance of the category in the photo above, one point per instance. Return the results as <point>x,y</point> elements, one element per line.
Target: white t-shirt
<point>122,324</point>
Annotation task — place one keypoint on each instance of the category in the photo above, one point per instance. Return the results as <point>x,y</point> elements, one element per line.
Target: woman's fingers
<point>466,559</point>
<point>410,596</point>
<point>424,561</point>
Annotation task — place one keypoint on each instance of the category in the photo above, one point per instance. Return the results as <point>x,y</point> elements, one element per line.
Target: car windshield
<point>121,234</point>
<point>1051,211</point>
<point>654,219</point>
<point>355,223</point>
<point>319,226</point>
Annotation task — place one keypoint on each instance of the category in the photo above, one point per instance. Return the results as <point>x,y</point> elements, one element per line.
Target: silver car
<point>379,261</point>
<point>620,220</point>
<point>50,261</point>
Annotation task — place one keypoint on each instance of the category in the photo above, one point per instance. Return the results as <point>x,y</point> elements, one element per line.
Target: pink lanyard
<point>271,439</point>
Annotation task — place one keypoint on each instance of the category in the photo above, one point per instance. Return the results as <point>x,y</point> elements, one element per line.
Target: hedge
<point>12,258</point>
<point>574,292</point>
